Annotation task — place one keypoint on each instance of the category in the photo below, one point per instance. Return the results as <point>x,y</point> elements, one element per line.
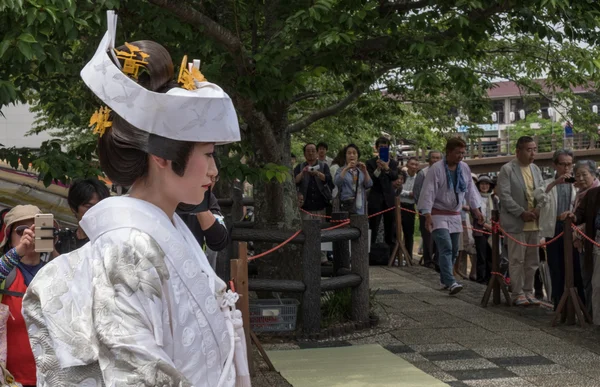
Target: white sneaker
<point>455,288</point>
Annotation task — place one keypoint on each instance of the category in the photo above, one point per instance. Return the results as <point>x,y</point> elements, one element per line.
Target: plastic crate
<point>270,315</point>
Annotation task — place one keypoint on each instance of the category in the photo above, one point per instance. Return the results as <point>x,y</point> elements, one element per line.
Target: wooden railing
<point>476,148</point>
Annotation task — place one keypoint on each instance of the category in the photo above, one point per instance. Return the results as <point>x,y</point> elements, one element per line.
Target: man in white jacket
<point>561,196</point>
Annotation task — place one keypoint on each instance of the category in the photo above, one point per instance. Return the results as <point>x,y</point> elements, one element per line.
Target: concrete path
<point>456,341</point>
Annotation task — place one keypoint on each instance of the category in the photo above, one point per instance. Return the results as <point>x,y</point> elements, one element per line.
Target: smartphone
<point>196,208</point>
<point>44,233</point>
<point>384,154</point>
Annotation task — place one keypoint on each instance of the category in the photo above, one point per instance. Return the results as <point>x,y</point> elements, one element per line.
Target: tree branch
<point>403,6</point>
<point>185,12</point>
<point>328,111</point>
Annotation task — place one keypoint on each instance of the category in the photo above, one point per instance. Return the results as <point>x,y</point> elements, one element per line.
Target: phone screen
<point>384,154</point>
<point>194,209</point>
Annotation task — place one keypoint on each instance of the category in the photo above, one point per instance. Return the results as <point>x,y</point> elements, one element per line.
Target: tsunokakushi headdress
<point>199,111</point>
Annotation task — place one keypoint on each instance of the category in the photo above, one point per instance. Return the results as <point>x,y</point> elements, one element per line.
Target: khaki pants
<point>523,262</point>
<point>322,218</point>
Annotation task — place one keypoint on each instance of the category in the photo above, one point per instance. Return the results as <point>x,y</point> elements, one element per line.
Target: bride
<point>139,305</point>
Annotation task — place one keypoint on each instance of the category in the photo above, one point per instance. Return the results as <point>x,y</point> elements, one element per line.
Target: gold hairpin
<point>100,120</point>
<point>187,78</point>
<point>132,65</point>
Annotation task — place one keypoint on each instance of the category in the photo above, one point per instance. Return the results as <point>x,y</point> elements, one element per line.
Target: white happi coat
<point>137,306</point>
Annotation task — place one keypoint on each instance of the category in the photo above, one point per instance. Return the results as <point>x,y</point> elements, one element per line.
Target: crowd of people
<point>454,209</point>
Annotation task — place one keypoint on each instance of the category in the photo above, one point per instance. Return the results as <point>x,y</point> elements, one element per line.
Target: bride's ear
<point>159,161</point>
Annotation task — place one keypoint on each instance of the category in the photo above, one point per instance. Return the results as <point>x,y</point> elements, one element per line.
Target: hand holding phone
<point>44,233</point>
<point>384,154</point>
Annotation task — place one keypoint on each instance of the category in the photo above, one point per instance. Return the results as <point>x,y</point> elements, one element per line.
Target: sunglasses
<point>20,229</point>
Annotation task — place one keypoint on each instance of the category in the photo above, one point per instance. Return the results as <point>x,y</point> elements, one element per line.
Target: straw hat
<point>17,214</point>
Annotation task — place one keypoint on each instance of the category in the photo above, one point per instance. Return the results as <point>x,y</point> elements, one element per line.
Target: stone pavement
<point>460,343</point>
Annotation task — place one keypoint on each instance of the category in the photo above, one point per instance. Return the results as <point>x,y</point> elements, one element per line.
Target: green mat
<point>358,365</point>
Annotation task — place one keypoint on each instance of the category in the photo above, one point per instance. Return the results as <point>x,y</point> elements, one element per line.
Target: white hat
<point>202,115</point>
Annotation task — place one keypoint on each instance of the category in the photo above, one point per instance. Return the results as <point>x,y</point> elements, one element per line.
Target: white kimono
<point>137,306</point>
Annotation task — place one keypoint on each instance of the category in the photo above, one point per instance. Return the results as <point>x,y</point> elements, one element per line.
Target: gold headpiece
<point>100,119</point>
<point>187,76</point>
<point>131,65</point>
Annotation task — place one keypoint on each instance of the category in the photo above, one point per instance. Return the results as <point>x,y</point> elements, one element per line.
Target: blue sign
<point>485,127</point>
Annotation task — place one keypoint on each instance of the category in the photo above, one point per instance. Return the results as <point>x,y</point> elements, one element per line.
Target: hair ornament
<point>189,76</point>
<point>100,119</point>
<point>132,65</point>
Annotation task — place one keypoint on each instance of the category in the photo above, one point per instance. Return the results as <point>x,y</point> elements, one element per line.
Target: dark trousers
<point>388,227</point>
<point>556,264</point>
<point>484,258</point>
<point>427,242</point>
<point>408,227</point>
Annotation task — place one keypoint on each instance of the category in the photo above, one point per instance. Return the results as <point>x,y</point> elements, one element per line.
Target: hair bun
<point>158,72</point>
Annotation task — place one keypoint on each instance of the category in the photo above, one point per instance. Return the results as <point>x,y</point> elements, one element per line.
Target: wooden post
<point>360,266</point>
<point>570,306</point>
<point>496,283</point>
<point>341,250</point>
<point>399,250</point>
<point>311,268</point>
<point>553,142</point>
<point>498,146</point>
<point>480,147</point>
<point>237,211</point>
<point>472,149</point>
<point>239,275</point>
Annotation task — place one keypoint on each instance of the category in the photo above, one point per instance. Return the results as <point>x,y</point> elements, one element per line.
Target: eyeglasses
<point>566,165</point>
<point>20,229</point>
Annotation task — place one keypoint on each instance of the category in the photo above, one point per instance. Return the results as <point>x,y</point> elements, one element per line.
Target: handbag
<point>349,205</point>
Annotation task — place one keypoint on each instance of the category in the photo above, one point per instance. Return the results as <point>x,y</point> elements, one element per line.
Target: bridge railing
<point>476,148</point>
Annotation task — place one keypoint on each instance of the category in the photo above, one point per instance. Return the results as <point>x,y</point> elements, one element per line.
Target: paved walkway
<point>462,344</point>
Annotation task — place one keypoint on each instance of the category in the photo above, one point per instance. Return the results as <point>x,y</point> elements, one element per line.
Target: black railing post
<point>311,268</point>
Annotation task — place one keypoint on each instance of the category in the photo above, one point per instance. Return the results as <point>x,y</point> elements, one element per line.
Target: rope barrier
<point>526,244</point>
<point>585,236</point>
<point>345,223</point>
<point>276,247</point>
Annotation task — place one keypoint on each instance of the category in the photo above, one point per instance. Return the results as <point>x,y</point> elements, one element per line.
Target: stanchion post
<point>399,250</point>
<point>311,268</point>
<point>360,266</point>
<point>570,308</point>
<point>341,250</point>
<point>239,275</point>
<point>496,283</point>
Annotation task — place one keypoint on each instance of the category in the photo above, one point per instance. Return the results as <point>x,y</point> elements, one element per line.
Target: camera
<point>570,180</point>
<point>313,169</point>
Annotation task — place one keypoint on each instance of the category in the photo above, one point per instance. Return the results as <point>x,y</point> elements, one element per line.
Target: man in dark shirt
<point>382,194</point>
<point>208,228</point>
<point>314,183</point>
<point>83,195</point>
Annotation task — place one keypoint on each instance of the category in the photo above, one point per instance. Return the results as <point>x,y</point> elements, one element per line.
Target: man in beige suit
<point>521,192</point>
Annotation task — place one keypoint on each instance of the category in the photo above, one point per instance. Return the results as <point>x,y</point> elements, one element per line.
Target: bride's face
<point>198,176</point>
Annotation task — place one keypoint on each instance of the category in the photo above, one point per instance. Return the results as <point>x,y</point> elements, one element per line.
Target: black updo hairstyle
<point>124,149</point>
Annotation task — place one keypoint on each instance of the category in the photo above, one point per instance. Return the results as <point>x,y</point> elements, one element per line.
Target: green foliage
<point>290,65</point>
<point>336,307</point>
<point>52,163</point>
<point>542,128</point>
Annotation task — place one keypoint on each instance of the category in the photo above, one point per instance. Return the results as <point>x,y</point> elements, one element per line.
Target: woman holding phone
<point>18,265</point>
<point>352,181</point>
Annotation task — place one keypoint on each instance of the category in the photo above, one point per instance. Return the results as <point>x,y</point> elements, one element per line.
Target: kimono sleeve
<point>130,311</point>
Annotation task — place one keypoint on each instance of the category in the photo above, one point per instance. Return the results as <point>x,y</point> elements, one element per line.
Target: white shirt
<point>407,189</point>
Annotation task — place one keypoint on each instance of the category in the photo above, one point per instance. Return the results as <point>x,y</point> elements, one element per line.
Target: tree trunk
<point>276,204</point>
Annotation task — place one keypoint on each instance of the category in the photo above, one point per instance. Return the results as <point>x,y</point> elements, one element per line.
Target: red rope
<point>276,247</point>
<point>346,222</point>
<point>526,244</point>
<point>585,236</point>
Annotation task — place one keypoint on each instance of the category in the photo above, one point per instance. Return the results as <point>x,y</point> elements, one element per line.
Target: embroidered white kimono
<point>137,306</point>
